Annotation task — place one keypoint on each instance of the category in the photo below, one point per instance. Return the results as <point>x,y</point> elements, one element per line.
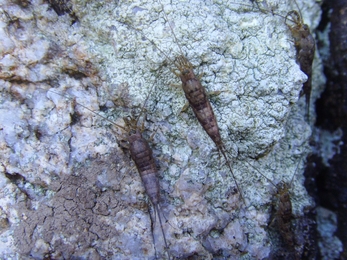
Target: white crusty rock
<point>68,185</point>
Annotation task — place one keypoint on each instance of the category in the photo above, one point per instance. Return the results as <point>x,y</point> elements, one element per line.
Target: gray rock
<point>69,188</point>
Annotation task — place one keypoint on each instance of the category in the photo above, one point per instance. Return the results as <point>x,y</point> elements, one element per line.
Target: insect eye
<point>185,72</point>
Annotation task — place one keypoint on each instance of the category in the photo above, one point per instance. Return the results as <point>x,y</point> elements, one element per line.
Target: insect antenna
<point>172,31</point>
<point>269,180</point>
<point>250,6</point>
<point>296,3</point>
<point>151,41</point>
<point>144,104</point>
<point>103,117</point>
<point>266,11</point>
<point>255,168</point>
<point>296,169</point>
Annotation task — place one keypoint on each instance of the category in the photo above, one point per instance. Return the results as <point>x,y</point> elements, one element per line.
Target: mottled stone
<point>68,186</point>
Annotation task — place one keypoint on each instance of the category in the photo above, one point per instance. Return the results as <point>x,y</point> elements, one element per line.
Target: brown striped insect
<point>197,97</point>
<point>201,106</point>
<point>305,48</point>
<point>198,100</point>
<point>142,155</point>
<point>282,217</point>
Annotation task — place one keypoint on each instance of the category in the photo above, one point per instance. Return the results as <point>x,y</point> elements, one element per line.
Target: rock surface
<point>68,186</point>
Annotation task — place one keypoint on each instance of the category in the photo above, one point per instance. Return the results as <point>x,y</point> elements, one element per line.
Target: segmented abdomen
<point>196,95</point>
<point>283,218</point>
<point>141,154</point>
<point>305,55</point>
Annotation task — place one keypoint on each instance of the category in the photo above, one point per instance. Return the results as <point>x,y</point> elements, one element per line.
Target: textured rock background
<point>68,186</point>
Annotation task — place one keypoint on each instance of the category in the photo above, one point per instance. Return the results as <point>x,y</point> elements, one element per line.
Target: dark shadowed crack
<point>331,191</point>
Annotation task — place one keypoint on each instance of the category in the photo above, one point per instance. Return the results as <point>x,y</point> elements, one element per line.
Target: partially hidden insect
<point>282,218</point>
<point>305,49</point>
<point>142,155</point>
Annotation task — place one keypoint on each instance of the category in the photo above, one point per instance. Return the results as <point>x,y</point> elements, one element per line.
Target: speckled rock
<point>68,186</point>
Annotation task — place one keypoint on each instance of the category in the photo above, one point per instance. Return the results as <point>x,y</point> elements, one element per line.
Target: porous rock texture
<point>68,186</point>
